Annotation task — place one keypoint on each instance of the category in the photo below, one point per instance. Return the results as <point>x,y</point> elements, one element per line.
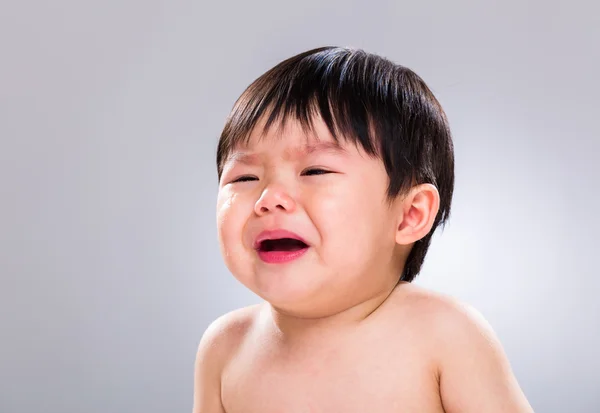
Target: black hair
<point>363,98</point>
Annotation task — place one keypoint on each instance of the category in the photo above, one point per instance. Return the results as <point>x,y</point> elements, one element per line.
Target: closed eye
<point>245,178</point>
<point>315,171</point>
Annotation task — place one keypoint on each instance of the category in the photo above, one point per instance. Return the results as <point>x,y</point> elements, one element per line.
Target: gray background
<point>109,117</point>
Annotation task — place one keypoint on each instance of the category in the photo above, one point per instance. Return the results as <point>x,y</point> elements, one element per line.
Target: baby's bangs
<point>329,84</point>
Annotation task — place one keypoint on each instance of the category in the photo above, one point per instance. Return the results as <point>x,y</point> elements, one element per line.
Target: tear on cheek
<point>225,202</point>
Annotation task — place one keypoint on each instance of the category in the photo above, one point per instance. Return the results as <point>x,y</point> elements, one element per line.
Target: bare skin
<point>417,352</point>
<point>337,332</point>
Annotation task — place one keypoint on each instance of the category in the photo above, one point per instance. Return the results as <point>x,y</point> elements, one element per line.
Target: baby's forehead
<point>291,142</point>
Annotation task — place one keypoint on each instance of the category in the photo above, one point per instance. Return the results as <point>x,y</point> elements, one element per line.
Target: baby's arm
<point>217,346</point>
<point>207,372</point>
<point>475,375</point>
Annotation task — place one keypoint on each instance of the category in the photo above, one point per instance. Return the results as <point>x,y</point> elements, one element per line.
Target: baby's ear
<point>417,212</point>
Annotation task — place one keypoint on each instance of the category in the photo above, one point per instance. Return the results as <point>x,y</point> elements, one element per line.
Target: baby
<point>335,168</point>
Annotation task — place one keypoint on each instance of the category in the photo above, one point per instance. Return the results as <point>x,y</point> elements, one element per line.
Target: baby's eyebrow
<point>323,147</point>
<point>243,157</point>
<point>248,158</point>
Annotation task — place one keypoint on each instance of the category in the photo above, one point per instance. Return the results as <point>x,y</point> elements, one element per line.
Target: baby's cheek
<point>225,200</point>
<point>344,208</point>
<point>229,222</point>
<point>340,223</point>
<point>352,222</point>
<point>229,208</point>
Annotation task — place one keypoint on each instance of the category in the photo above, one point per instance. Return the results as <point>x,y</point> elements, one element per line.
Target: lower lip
<point>280,257</point>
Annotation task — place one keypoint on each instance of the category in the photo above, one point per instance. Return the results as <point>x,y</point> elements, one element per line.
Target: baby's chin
<point>286,290</point>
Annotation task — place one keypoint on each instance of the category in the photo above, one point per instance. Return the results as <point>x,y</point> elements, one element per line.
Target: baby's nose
<point>273,199</point>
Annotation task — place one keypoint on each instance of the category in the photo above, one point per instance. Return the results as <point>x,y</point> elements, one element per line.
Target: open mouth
<point>281,244</point>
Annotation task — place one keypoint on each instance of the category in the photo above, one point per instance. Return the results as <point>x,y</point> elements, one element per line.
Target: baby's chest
<point>372,383</point>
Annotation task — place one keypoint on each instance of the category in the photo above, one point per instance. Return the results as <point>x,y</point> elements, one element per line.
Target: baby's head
<point>335,168</point>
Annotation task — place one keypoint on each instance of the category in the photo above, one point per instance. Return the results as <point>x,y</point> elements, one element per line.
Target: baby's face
<point>305,224</point>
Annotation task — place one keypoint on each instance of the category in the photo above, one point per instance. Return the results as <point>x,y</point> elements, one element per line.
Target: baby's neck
<point>293,329</point>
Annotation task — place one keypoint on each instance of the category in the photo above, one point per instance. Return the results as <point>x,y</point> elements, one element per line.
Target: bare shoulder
<point>228,329</point>
<point>217,345</point>
<point>443,315</point>
<point>432,312</point>
<point>473,369</point>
